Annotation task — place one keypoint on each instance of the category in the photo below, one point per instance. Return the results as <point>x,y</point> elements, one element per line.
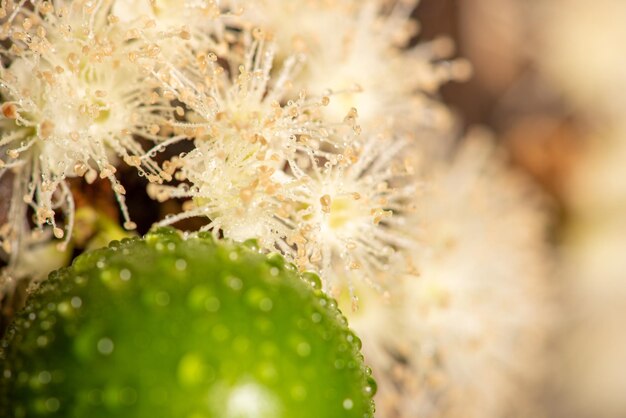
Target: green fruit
<point>182,327</point>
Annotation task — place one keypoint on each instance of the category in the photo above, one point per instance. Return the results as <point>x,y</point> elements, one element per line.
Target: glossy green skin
<point>174,327</point>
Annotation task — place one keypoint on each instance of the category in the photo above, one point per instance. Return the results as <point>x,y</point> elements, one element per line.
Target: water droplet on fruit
<point>125,274</point>
<point>303,349</point>
<point>348,404</point>
<point>42,341</point>
<point>352,338</point>
<point>162,298</point>
<point>180,264</point>
<point>212,304</point>
<point>313,279</point>
<point>52,404</point>
<point>371,387</point>
<point>44,377</point>
<point>105,346</point>
<point>266,304</point>
<point>76,302</point>
<point>234,283</point>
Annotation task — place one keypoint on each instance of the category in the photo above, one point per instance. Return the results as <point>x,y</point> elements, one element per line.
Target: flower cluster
<point>73,105</point>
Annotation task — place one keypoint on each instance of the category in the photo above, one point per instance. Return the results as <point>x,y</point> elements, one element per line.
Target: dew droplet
<point>235,283</point>
<point>44,377</point>
<point>313,279</point>
<point>180,264</point>
<point>125,274</point>
<point>76,302</point>
<point>162,298</point>
<point>105,346</point>
<point>52,404</point>
<point>371,387</point>
<point>266,304</point>
<point>348,404</point>
<point>212,304</point>
<point>42,341</point>
<point>303,349</point>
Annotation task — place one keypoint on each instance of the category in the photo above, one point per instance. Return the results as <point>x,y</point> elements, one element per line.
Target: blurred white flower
<point>462,336</point>
<point>358,50</point>
<point>579,47</point>
<point>592,354</point>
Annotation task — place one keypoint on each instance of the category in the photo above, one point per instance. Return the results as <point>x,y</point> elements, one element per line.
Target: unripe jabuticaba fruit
<point>182,327</point>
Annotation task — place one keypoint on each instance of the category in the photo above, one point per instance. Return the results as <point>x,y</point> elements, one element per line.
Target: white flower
<point>248,141</point>
<point>594,285</point>
<point>72,102</point>
<point>462,335</point>
<point>594,80</point>
<point>356,49</point>
<point>352,220</point>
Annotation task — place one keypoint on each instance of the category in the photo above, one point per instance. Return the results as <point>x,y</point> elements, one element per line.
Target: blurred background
<point>549,80</point>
